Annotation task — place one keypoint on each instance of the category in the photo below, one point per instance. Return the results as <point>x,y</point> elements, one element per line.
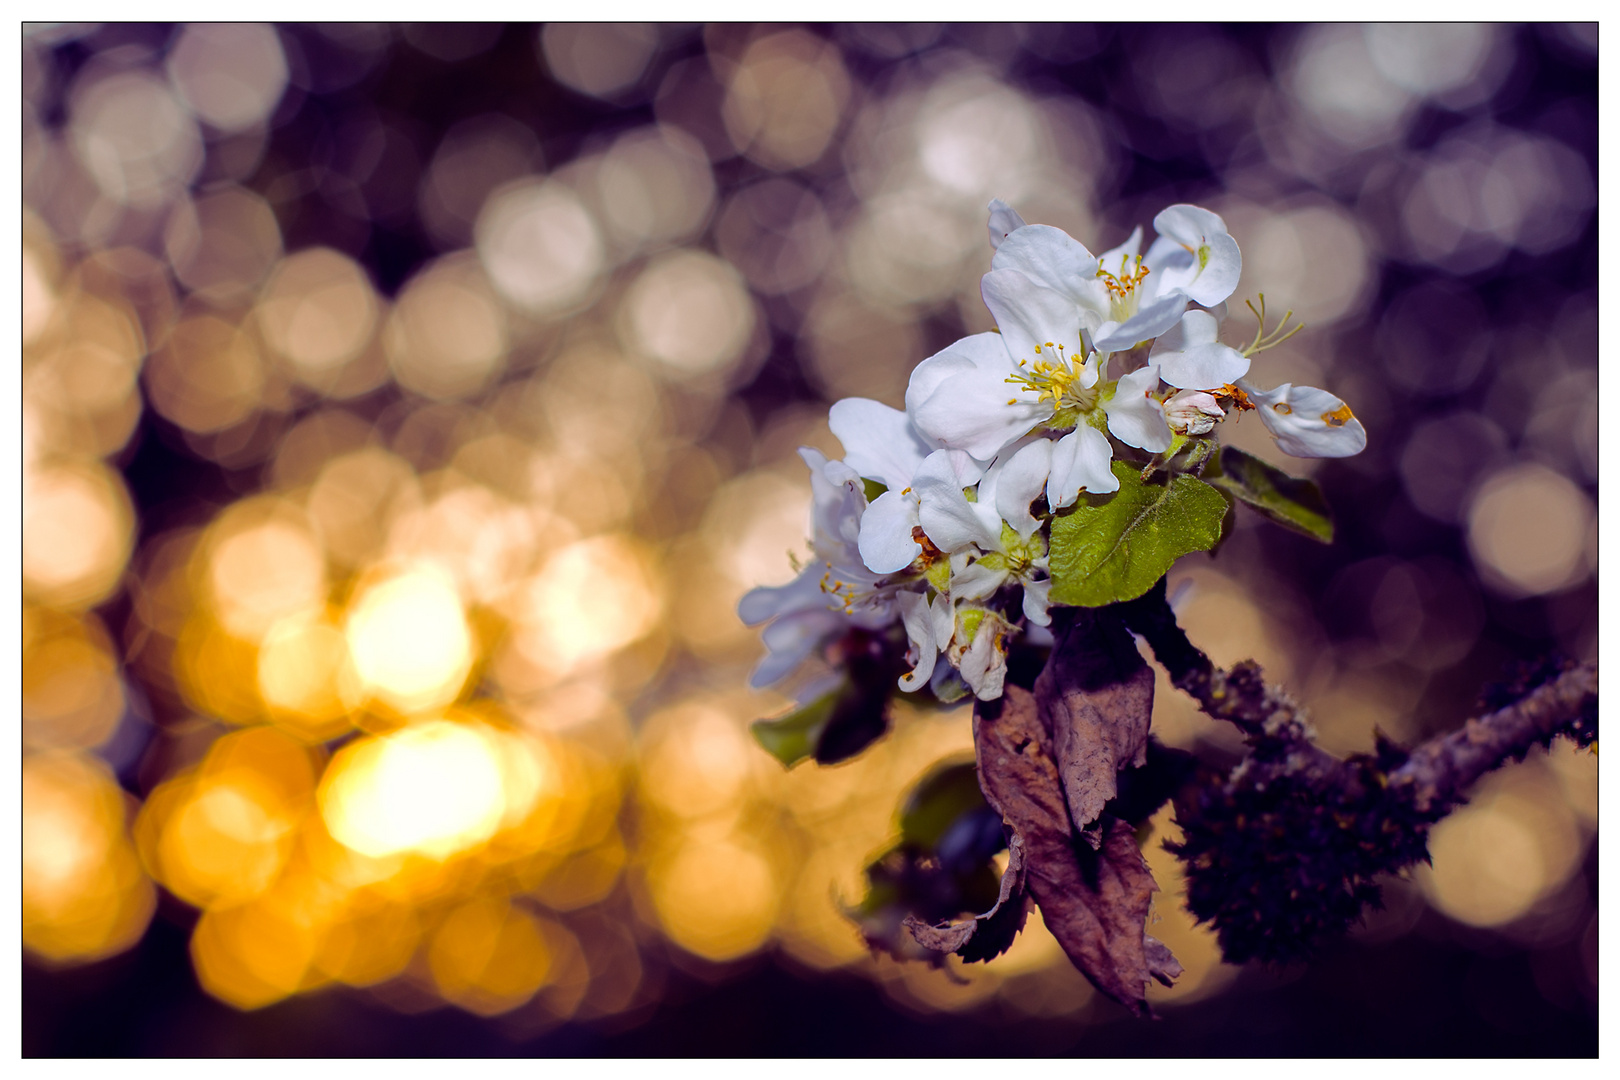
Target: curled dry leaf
<point>1095,698</point>
<point>1094,902</point>
<point>987,935</point>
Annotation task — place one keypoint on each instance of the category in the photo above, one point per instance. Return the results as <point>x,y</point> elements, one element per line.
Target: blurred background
<point>405,409</point>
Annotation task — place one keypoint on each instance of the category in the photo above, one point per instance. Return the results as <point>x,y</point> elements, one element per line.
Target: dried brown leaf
<point>1001,923</point>
<point>1096,702</point>
<point>1094,902</point>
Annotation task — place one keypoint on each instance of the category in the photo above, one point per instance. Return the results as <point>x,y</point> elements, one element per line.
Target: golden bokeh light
<point>72,696</point>
<point>435,789</point>
<point>655,187</point>
<point>230,74</point>
<point>786,99</point>
<point>307,678</point>
<point>77,530</point>
<point>489,957</point>
<point>39,296</point>
<point>481,540</point>
<point>716,898</point>
<point>264,564</point>
<point>90,360</point>
<point>690,312</point>
<point>409,639</point>
<point>589,599</point>
<point>354,498</point>
<point>540,246</point>
<point>136,140</point>
<point>317,312</point>
<point>221,835</point>
<point>371,943</point>
<point>208,375</point>
<point>1494,859</point>
<point>252,955</point>
<point>223,243</point>
<point>447,335</point>
<point>697,760</point>
<point>225,843</point>
<point>83,893</point>
<point>597,59</point>
<point>1528,530</point>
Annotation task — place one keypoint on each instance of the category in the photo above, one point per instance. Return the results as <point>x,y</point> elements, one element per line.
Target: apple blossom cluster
<point>943,518</point>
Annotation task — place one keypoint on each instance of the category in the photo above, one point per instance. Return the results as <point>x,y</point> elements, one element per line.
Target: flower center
<point>1020,554</point>
<point>842,595</point>
<point>1056,381</point>
<point>1122,298</point>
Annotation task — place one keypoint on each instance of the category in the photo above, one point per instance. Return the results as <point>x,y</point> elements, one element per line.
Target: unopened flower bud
<point>1192,412</point>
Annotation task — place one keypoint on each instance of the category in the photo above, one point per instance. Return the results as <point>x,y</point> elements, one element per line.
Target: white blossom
<point>1123,298</point>
<point>833,593</point>
<point>882,444</point>
<point>985,392</point>
<point>1308,422</point>
<point>1190,358</point>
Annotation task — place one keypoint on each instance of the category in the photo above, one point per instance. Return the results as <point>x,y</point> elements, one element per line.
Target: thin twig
<point>1440,770</point>
<point>1437,772</point>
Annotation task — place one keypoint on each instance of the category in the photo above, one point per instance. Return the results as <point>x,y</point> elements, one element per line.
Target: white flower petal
<point>886,544</point>
<point>791,639</point>
<point>769,601</point>
<point>837,501</point>
<point>1189,357</point>
<point>984,664</point>
<point>970,411</point>
<point>1134,416</point>
<point>1036,602</point>
<point>985,351</point>
<point>977,582</point>
<point>969,470</point>
<point>1049,257</point>
<point>1114,259</point>
<point>1003,221</point>
<point>1308,422</point>
<point>1153,318</point>
<point>919,623</point>
<point>879,442</point>
<point>1021,480</point>
<point>1209,263</point>
<point>1080,461</point>
<point>836,473</point>
<point>1034,320</point>
<point>950,521</point>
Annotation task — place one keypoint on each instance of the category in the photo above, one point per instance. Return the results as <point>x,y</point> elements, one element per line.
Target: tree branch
<point>1287,848</point>
<point>1240,696</point>
<point>1439,771</point>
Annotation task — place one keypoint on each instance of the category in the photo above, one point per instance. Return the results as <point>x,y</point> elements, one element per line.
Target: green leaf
<point>792,738</point>
<point>840,723</point>
<point>873,489</point>
<point>938,800</point>
<point>1114,547</point>
<point>1289,501</point>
